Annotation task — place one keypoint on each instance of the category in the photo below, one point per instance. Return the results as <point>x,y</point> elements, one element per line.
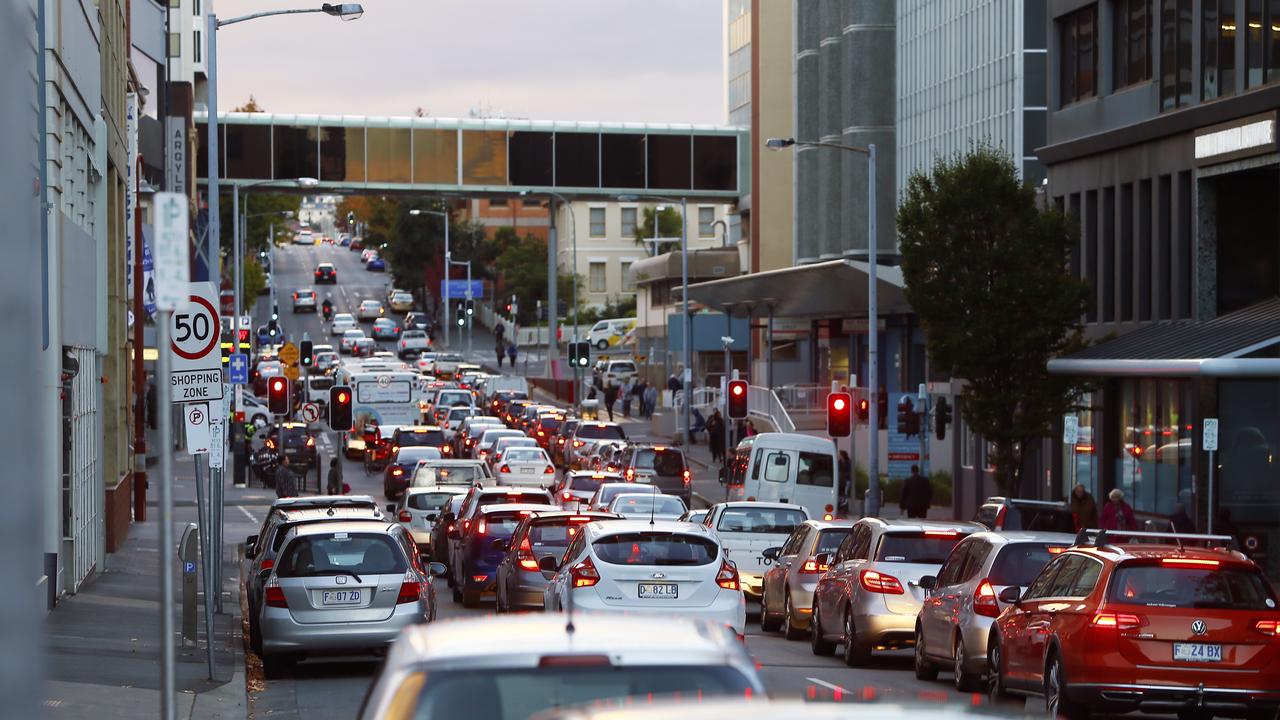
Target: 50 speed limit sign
<point>194,335</point>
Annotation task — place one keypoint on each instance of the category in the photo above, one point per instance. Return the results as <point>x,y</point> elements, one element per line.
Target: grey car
<point>520,580</point>
<point>661,466</point>
<point>342,587</point>
<point>962,601</point>
<point>786,599</point>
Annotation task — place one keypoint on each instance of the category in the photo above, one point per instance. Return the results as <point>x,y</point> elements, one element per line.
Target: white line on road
<point>248,514</point>
<point>830,686</point>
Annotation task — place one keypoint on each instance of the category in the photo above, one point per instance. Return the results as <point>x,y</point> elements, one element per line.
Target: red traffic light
<point>737,405</point>
<point>342,397</point>
<point>737,388</point>
<point>340,408</point>
<point>839,404</point>
<point>839,419</point>
<point>278,395</point>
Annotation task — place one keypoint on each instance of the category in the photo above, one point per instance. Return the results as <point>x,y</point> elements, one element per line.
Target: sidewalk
<point>103,643</point>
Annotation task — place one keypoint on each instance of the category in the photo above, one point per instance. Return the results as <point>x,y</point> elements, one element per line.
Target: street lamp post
<point>555,275</point>
<point>872,506</point>
<point>447,290</point>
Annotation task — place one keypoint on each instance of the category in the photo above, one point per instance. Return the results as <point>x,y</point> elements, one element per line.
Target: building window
<point>628,282</point>
<point>1132,54</point>
<point>1262,42</point>
<point>1078,62</point>
<point>706,222</point>
<point>597,222</point>
<point>175,45</point>
<point>628,222</point>
<point>195,8</point>
<point>195,47</point>
<point>1273,40</point>
<point>498,202</point>
<point>1175,53</point>
<point>1218,51</point>
<point>596,277</point>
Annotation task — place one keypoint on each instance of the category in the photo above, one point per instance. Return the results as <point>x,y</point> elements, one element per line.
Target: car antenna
<point>568,606</point>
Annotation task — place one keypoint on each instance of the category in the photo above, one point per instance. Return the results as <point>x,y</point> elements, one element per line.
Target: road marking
<point>248,514</point>
<point>830,686</point>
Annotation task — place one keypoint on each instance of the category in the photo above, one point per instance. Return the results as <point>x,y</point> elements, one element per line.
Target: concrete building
<point>1162,142</point>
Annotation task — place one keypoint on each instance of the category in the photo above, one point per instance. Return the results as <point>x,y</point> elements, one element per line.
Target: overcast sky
<point>606,60</point>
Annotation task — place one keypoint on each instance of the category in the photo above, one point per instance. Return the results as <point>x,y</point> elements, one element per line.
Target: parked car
<point>786,591</point>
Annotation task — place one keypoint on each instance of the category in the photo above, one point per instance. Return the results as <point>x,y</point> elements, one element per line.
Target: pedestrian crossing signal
<point>340,408</point>
<point>460,316</point>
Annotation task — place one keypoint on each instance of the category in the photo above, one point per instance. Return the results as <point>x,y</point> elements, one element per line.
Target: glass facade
<point>1153,460</point>
<point>435,156</point>
<point>1081,459</point>
<point>1249,480</point>
<point>389,159</point>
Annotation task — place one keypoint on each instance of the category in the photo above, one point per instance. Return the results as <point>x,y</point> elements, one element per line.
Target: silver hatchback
<point>340,587</point>
<point>786,599</point>
<point>962,601</point>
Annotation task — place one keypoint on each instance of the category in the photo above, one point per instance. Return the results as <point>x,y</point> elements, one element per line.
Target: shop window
<point>1154,466</point>
<point>1218,49</point>
<point>1078,57</point>
<point>1249,463</point>
<point>1175,53</point>
<point>1131,54</point>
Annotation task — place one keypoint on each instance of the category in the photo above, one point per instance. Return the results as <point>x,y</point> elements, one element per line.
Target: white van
<point>608,333</point>
<point>796,469</point>
<point>499,383</point>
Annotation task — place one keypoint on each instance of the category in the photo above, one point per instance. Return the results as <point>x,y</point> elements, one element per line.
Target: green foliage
<point>891,490</point>
<point>669,226</point>
<point>615,307</point>
<point>987,272</point>
<point>254,280</point>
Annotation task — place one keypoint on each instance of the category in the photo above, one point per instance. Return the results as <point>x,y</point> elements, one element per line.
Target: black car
<point>326,273</point>
<point>297,442</point>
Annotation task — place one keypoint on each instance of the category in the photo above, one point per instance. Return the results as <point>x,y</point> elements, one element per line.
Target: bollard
<point>188,551</point>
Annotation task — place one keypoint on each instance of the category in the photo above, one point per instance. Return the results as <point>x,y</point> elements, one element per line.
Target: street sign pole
<point>1210,443</point>
<point>205,566</point>
<point>168,683</point>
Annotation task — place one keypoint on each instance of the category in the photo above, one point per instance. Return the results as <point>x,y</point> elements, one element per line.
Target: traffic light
<point>275,313</point>
<point>839,414</point>
<point>471,308</point>
<point>882,409</point>
<point>278,395</point>
<point>340,408</point>
<point>573,355</point>
<point>305,352</point>
<point>863,410</point>
<point>906,410</point>
<point>584,354</point>
<point>460,315</point>
<point>942,417</point>
<point>737,405</point>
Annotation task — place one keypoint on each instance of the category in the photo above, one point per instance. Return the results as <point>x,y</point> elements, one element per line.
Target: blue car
<point>484,545</point>
<point>344,241</point>
<point>376,264</point>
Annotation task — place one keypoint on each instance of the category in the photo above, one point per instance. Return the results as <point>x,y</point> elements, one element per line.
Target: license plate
<point>340,597</point>
<point>658,591</point>
<point>1197,652</point>
<point>527,471</point>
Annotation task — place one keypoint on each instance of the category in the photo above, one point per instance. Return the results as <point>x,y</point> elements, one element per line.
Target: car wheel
<point>1056,701</point>
<point>767,624</point>
<point>856,654</point>
<point>255,634</point>
<point>275,667</point>
<point>819,644</point>
<point>602,345</point>
<point>996,690</point>
<point>457,592</point>
<point>924,669</point>
<point>789,629</point>
<point>965,681</point>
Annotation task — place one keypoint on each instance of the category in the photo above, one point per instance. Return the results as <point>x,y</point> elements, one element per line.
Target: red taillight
<point>271,444</point>
<point>541,434</point>
<point>999,523</point>
<point>1120,621</point>
<point>268,564</point>
<point>688,477</point>
<point>505,468</point>
<point>584,574</point>
<point>567,496</point>
<point>813,567</point>
<point>445,449</point>
<point>727,578</point>
<point>405,516</point>
<point>274,597</point>
<point>410,591</point>
<point>578,443</point>
<point>482,527</point>
<point>984,600</point>
<point>549,471</point>
<point>525,556</point>
<point>878,582</point>
<point>559,441</point>
<point>1268,627</point>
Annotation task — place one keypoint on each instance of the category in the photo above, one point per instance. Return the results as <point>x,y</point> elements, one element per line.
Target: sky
<point>591,60</point>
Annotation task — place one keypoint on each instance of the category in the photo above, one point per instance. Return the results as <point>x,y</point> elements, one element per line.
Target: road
<point>333,688</point>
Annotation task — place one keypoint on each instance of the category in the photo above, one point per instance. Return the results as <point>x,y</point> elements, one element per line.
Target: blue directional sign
<point>457,290</point>
<point>238,368</point>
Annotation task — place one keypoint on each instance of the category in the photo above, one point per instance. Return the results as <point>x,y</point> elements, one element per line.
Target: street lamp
<point>687,380</point>
<point>872,506</point>
<point>447,259</point>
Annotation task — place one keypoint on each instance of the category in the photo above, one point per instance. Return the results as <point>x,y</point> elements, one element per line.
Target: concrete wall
<point>772,203</point>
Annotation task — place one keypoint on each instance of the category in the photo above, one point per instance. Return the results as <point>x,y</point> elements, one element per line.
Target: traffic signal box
<point>839,414</point>
<point>863,409</point>
<point>278,395</point>
<point>306,351</point>
<point>583,353</point>
<point>460,316</point>
<point>942,417</point>
<point>340,408</point>
<point>737,405</point>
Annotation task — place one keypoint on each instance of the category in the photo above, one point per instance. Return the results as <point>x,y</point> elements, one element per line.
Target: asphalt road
<point>334,688</point>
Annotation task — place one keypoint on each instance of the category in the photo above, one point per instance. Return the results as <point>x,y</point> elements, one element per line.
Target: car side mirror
<point>391,507</point>
<point>500,543</point>
<point>250,547</point>
<point>1011,595</point>
<point>772,553</point>
<point>549,564</point>
<point>928,582</point>
<point>432,517</point>
<point>437,569</point>
<point>824,558</point>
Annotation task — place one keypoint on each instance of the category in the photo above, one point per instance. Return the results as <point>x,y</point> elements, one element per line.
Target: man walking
<point>715,435</point>
<point>917,495</point>
<point>610,397</point>
<point>286,480</point>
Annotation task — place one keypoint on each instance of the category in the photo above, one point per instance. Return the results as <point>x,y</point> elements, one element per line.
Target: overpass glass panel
<point>244,156</point>
<point>435,157</point>
<point>623,160</point>
<point>295,151</point>
<point>341,154</point>
<point>715,162</point>
<point>388,155</point>
<point>669,160</point>
<point>530,156</point>
<point>577,159</point>
<point>484,157</point>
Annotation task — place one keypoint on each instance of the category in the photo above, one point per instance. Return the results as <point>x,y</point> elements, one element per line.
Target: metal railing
<point>764,403</point>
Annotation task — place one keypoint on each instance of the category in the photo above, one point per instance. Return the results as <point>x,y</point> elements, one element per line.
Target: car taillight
<point>999,523</point>
<point>1188,562</point>
<point>505,468</point>
<point>1120,621</point>
<point>525,556</point>
<point>267,564</point>
<point>482,527</point>
<point>813,567</point>
<point>1268,627</point>
<point>549,471</point>
<point>727,578</point>
<point>271,444</point>
<point>688,477</point>
<point>410,591</point>
<point>311,442</point>
<point>878,582</point>
<point>578,443</point>
<point>559,441</point>
<point>984,600</point>
<point>584,574</point>
<point>566,496</point>
<point>445,449</point>
<point>274,597</point>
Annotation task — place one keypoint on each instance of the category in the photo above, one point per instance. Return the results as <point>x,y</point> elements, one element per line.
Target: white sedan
<point>525,466</point>
<point>348,341</point>
<point>342,322</point>
<point>643,567</point>
<point>643,506</point>
<point>369,310</point>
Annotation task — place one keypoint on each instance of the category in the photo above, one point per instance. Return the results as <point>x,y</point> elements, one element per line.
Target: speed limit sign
<point>194,335</point>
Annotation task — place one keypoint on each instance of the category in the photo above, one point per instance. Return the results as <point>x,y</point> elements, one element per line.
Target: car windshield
<point>420,438</point>
<point>926,548</point>
<point>660,504</point>
<point>1196,587</point>
<point>525,455</point>
<point>662,461</point>
<point>829,540</point>
<point>451,475</point>
<point>770,521</point>
<point>584,482</point>
<point>600,431</point>
<point>339,553</point>
<point>428,501</point>
<point>656,548</point>
<point>518,693</point>
<point>1020,563</point>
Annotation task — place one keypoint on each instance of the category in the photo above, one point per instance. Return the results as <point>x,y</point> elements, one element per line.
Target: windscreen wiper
<point>337,571</point>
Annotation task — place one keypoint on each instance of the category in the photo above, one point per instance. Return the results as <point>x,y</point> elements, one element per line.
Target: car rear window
<point>491,436</point>
<point>1020,563</point>
<point>412,454</point>
<point>294,437</point>
<point>1039,519</point>
<point>829,540</point>
<point>769,521</point>
<point>585,482</point>
<point>514,496</point>
<point>556,532</point>
<point>338,553</point>
<point>423,438</point>
<point>525,455</point>
<point>656,548</point>
<point>1200,587</point>
<point>548,424</point>
<point>815,469</point>
<point>501,524</point>
<point>568,427</point>
<point>664,461</point>
<point>451,475</point>
<point>428,501</point>
<point>652,504</point>
<point>927,548</point>
<point>596,431</point>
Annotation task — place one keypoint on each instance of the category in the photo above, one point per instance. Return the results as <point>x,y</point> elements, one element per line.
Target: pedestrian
<point>500,350</point>
<point>715,435</point>
<point>749,428</point>
<point>842,482</point>
<point>334,484</point>
<point>627,391</point>
<point>651,398</point>
<point>674,384</point>
<point>1117,515</point>
<point>286,480</point>
<point>499,331</point>
<point>917,495</point>
<point>511,352</point>
<point>610,396</point>
<point>1083,508</point>
<point>1180,521</point>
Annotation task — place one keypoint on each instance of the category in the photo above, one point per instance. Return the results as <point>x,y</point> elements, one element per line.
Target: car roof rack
<point>1096,537</point>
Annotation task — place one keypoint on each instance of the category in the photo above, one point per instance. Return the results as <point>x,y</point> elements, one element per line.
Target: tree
<point>250,107</point>
<point>669,226</point>
<point>253,282</point>
<point>988,274</point>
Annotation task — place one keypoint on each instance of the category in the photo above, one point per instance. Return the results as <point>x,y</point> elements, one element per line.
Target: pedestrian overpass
<point>581,160</point>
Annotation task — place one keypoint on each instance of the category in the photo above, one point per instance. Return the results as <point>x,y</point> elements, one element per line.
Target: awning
<point>832,289</point>
<point>703,264</point>
<point>1239,344</point>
